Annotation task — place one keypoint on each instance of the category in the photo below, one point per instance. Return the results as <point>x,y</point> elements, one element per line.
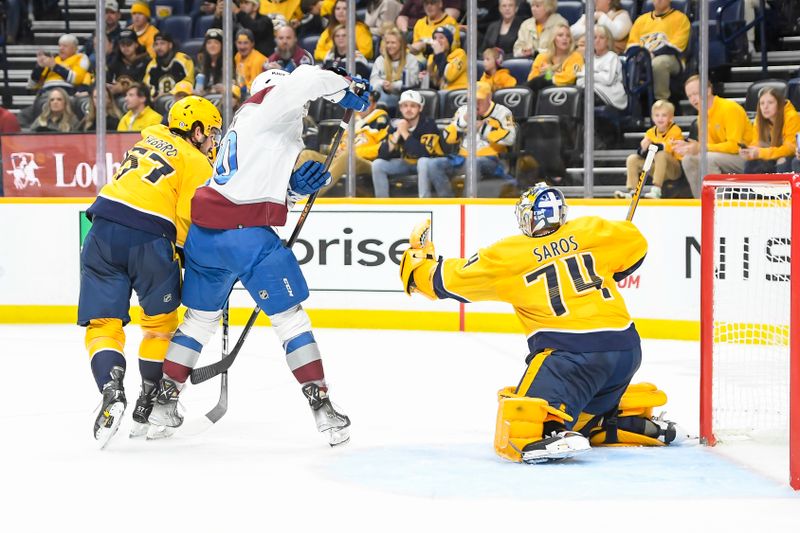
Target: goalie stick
<point>648,162</point>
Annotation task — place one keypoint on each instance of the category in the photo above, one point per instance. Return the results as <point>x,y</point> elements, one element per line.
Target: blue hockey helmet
<point>541,210</point>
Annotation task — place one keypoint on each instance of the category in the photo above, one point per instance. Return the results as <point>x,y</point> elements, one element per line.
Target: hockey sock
<point>304,360</point>
<point>157,331</point>
<point>102,363</point>
<point>182,356</point>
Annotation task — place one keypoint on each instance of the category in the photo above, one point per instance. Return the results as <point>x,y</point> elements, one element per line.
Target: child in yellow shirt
<point>498,78</point>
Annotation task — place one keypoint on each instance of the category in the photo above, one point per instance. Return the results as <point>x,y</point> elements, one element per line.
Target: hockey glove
<point>420,253</point>
<point>309,178</point>
<point>356,97</point>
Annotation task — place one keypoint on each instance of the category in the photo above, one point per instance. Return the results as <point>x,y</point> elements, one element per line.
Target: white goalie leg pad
<point>290,323</point>
<point>200,325</point>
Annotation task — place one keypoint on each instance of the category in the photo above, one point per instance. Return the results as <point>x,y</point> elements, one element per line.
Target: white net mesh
<point>752,228</point>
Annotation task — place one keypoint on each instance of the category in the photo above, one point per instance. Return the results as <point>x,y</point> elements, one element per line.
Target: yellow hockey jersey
<point>667,33</point>
<point>153,188</point>
<point>370,131</point>
<point>562,286</point>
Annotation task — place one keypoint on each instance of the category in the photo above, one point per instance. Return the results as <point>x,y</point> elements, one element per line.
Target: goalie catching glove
<point>420,257</point>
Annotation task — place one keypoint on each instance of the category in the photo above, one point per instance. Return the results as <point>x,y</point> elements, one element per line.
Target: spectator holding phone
<point>774,135</point>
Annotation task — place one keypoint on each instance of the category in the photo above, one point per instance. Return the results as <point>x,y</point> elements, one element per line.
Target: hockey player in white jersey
<point>231,238</point>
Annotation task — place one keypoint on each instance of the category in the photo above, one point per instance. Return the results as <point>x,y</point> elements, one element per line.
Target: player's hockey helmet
<point>186,111</point>
<point>541,210</point>
<point>268,78</point>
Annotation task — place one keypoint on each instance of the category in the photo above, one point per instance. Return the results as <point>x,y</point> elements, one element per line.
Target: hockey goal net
<point>750,308</point>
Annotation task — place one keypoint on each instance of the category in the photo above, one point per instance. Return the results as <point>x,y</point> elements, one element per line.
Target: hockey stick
<point>199,375</point>
<point>648,162</point>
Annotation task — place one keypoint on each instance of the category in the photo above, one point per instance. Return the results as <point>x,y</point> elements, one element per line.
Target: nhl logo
<point>167,298</point>
<point>263,294</point>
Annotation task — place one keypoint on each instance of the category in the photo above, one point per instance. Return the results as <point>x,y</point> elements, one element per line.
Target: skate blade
<point>138,430</point>
<point>160,432</point>
<point>338,437</point>
<point>104,434</point>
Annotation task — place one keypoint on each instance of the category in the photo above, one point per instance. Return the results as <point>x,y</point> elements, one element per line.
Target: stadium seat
<point>571,11</point>
<point>194,6</point>
<point>431,107</point>
<point>541,139</point>
<point>751,101</point>
<point>376,47</point>
<point>201,25</point>
<point>637,75</point>
<point>451,101</point>
<point>178,26</point>
<point>80,106</point>
<point>519,100</point>
<point>794,92</point>
<point>163,103</point>
<point>309,43</point>
<point>566,104</point>
<point>519,67</point>
<point>168,8</point>
<point>191,47</point>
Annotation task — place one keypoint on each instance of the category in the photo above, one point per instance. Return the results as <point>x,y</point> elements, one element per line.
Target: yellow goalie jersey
<point>153,188</point>
<point>562,286</point>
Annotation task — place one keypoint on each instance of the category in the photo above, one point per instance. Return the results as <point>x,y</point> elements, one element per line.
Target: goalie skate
<point>329,420</point>
<point>144,406</point>
<point>111,409</point>
<point>164,419</point>
<point>556,447</point>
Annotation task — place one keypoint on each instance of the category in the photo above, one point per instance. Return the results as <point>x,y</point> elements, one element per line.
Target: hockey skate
<point>328,419</point>
<point>669,432</point>
<point>144,406</point>
<point>164,418</point>
<point>111,409</point>
<point>557,447</point>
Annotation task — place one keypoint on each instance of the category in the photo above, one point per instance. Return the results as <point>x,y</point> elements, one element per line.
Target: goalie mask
<point>541,210</point>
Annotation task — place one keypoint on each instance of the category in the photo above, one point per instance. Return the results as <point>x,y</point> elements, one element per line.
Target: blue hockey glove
<point>309,178</point>
<point>356,97</point>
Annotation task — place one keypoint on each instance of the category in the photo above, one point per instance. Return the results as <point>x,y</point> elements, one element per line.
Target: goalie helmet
<point>541,210</point>
<point>268,78</point>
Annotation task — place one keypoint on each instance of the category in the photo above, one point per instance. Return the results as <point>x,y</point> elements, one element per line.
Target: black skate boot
<point>164,418</point>
<point>144,406</point>
<point>107,422</point>
<point>328,420</point>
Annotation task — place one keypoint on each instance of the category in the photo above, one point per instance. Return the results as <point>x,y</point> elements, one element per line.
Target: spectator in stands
<point>728,126</point>
<point>248,61</point>
<point>209,64</point>
<point>337,57</point>
<point>127,64</point>
<point>774,137</point>
<point>113,29</point>
<point>209,7</point>
<point>312,22</point>
<point>493,74</point>
<point>168,68</point>
<point>608,87</point>
<point>395,69</point>
<point>559,64</point>
<point>246,15</point>
<point>610,14</point>
<point>664,32</point>
<point>8,121</point>
<point>288,56</point>
<point>140,23</point>
<point>113,113</point>
<point>140,114</point>
<point>413,10</point>
<point>181,90</point>
<point>408,139</point>
<point>339,17</point>
<point>435,18</point>
<point>667,163</point>
<point>496,134</point>
<point>289,10</point>
<point>538,31</point>
<point>68,70</point>
<point>381,15</point>
<point>503,33</point>
<point>447,67</point>
<point>110,48</point>
<point>371,127</point>
<point>57,115</point>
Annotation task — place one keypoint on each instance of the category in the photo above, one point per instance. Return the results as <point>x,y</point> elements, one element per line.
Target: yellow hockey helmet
<point>186,111</point>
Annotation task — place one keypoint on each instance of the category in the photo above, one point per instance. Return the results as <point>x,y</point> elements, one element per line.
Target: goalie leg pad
<point>105,341</point>
<point>521,421</point>
<point>157,332</point>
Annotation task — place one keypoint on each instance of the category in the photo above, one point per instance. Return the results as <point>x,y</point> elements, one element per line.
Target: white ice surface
<point>423,410</point>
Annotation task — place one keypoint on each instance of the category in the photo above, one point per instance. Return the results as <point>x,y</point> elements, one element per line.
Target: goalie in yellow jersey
<point>584,349</point>
<point>138,220</point>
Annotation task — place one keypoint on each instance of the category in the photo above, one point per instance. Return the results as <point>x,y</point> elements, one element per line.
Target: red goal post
<point>745,341</point>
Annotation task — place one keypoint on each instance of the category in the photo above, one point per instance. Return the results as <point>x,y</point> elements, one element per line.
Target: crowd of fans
<point>406,49</point>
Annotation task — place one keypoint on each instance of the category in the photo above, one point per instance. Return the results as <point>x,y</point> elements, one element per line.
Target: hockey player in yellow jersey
<point>139,220</point>
<point>560,277</point>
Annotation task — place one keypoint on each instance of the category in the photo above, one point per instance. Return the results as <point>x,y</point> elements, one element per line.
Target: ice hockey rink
<point>423,410</point>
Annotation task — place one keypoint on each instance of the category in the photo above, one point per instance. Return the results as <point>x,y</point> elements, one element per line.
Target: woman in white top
<point>395,70</point>
<point>608,87</point>
<point>608,13</point>
<point>381,14</point>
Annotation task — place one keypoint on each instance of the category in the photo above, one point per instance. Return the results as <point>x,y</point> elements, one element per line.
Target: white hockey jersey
<point>258,153</point>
